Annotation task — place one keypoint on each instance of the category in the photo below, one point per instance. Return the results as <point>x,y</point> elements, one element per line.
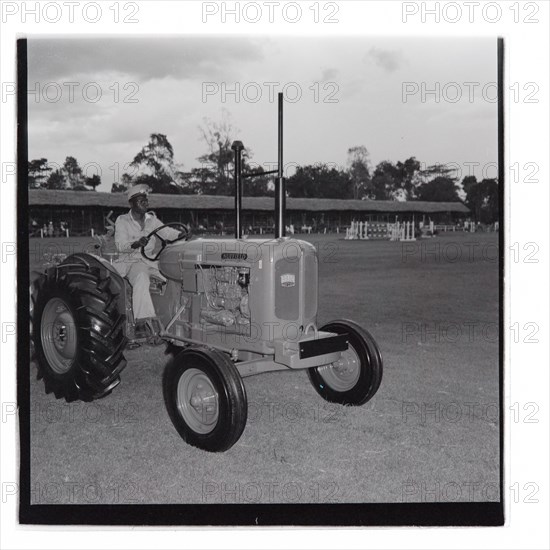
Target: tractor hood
<point>236,252</point>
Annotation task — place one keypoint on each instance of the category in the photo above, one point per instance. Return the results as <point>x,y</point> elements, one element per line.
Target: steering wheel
<point>164,242</point>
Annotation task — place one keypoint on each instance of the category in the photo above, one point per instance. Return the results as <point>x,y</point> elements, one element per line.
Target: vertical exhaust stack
<point>238,147</point>
<point>280,191</point>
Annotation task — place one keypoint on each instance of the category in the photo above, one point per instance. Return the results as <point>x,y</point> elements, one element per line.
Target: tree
<point>482,198</point>
<point>217,165</point>
<point>157,157</point>
<point>440,189</point>
<point>257,186</point>
<point>359,171</point>
<point>123,186</point>
<point>196,182</point>
<point>490,208</point>
<point>398,181</point>
<point>93,182</point>
<point>216,174</point>
<point>320,182</point>
<point>384,182</point>
<point>408,179</point>
<point>73,174</point>
<point>438,184</point>
<point>165,185</point>
<point>435,171</point>
<point>468,183</point>
<point>39,172</point>
<point>56,180</point>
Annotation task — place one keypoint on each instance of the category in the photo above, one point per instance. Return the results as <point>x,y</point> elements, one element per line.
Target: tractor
<point>227,308</point>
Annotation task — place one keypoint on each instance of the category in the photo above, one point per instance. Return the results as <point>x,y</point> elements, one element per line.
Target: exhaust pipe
<point>238,147</point>
<point>280,192</point>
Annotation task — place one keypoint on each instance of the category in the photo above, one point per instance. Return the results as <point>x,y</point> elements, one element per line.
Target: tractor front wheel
<point>205,398</point>
<point>356,376</point>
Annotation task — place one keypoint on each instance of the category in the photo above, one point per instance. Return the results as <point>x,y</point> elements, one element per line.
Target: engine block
<point>226,292</point>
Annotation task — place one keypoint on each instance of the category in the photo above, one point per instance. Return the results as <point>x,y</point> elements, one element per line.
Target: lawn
<point>431,433</point>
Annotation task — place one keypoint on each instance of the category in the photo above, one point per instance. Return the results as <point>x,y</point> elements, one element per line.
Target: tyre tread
<point>91,293</point>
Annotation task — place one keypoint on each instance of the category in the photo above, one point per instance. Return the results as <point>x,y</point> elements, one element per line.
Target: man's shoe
<point>141,330</point>
<point>147,330</point>
<point>155,340</point>
<point>155,328</point>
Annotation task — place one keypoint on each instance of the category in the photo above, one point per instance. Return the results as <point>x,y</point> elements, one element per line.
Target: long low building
<point>82,210</point>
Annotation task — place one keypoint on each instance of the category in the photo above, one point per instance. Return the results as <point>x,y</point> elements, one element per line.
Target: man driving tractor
<point>131,231</point>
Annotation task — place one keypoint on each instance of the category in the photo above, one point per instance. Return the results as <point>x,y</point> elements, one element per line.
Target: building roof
<point>49,197</point>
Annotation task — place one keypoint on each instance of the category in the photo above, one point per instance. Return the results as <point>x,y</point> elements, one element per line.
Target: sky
<point>98,99</point>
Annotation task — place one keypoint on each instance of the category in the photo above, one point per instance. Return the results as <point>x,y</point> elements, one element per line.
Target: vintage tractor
<point>231,308</point>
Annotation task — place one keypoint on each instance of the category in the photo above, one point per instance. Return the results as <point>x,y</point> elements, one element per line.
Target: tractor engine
<point>239,293</point>
<point>226,292</point>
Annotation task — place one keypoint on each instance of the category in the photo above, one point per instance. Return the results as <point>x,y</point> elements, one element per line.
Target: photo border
<point>345,514</point>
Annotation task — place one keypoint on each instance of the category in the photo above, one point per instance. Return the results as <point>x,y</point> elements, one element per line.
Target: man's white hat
<point>141,189</point>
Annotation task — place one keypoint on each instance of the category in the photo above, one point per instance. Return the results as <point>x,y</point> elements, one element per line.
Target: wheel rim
<point>58,335</point>
<point>342,375</point>
<point>197,401</point>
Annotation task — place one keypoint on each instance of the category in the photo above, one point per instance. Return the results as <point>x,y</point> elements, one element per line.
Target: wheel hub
<point>58,335</point>
<point>202,399</point>
<point>348,363</point>
<point>197,401</point>
<point>342,375</point>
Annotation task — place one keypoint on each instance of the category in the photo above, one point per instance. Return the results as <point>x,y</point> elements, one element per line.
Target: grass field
<point>431,433</point>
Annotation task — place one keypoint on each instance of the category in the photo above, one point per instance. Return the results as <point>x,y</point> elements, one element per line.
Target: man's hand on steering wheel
<point>142,243</point>
<point>183,234</point>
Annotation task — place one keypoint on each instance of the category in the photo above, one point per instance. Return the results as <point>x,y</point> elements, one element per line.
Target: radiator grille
<point>287,290</point>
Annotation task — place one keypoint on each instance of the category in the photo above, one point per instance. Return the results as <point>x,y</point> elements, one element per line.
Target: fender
<point>124,304</point>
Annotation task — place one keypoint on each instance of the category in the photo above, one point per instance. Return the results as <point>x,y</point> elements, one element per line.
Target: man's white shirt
<point>128,230</point>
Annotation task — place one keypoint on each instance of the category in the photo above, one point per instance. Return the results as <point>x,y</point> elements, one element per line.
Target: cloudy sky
<point>99,99</point>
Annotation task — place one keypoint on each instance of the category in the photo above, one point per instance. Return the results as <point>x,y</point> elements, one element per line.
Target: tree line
<point>69,176</point>
<point>155,166</point>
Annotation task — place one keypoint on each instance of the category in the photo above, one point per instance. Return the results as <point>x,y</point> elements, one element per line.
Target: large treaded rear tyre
<point>357,376</point>
<point>205,398</point>
<point>78,330</point>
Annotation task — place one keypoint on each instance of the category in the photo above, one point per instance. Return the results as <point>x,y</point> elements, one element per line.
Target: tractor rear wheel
<point>356,377</point>
<point>78,332</point>
<point>205,398</point>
